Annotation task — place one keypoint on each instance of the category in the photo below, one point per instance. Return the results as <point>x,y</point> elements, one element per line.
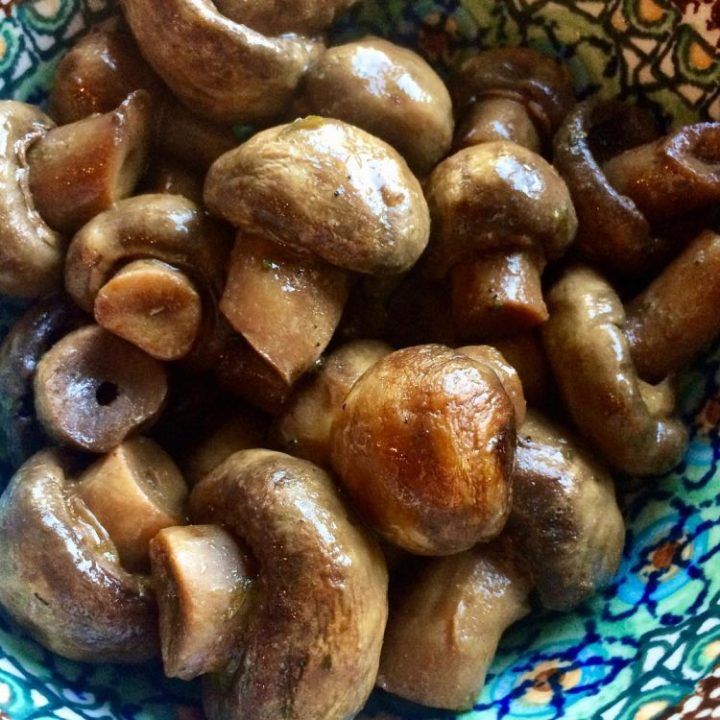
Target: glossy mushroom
<point>590,357</point>
<point>389,91</point>
<point>424,445</point>
<point>313,628</point>
<point>500,214</point>
<point>167,176</point>
<point>62,578</point>
<point>525,352</point>
<point>338,201</point>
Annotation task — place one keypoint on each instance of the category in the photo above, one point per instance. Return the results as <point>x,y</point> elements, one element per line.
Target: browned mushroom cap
<point>310,646</point>
<point>445,624</point>
<point>168,176</point>
<point>387,90</point>
<point>672,176</point>
<point>677,316</point>
<point>31,253</point>
<point>93,389</point>
<point>304,429</point>
<point>541,83</point>
<point>62,579</point>
<point>81,169</point>
<point>328,188</point>
<point>501,206</point>
<point>220,69</point>
<point>424,445</point>
<point>275,17</point>
<point>590,357</point>
<point>44,324</point>
<point>565,519</point>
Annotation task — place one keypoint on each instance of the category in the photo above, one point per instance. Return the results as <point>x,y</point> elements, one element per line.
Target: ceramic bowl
<point>641,646</point>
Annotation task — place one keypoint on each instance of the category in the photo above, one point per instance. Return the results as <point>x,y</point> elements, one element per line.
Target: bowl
<point>636,650</point>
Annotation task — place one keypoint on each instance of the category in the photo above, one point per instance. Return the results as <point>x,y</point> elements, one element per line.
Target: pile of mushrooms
<point>331,407</point>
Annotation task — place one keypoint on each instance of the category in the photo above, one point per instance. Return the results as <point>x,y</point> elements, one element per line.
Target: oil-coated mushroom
<point>424,445</point>
<point>313,628</point>
<point>387,90</point>
<point>526,354</point>
<point>677,317</point>
<point>93,389</point>
<point>445,624</point>
<point>565,520</point>
<point>591,361</point>
<point>500,214</point>
<point>62,578</point>
<point>511,93</point>
<point>222,70</point>
<point>150,304</point>
<point>42,325</point>
<point>168,176</point>
<point>327,191</point>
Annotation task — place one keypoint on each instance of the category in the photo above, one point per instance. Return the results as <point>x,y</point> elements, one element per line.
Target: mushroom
<point>676,317</point>
<point>565,520</point>
<point>387,90</point>
<point>168,176</point>
<point>62,578</point>
<point>341,200</point>
<point>76,171</point>
<point>305,427</point>
<point>511,93</point>
<point>424,445</point>
<point>312,631</point>
<point>93,389</point>
<point>500,214</point>
<point>445,624</point>
<point>42,325</point>
<point>223,70</point>
<point>590,358</point>
<point>164,305</point>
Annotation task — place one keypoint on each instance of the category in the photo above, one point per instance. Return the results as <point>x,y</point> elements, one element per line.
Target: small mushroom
<point>313,627</point>
<point>221,69</point>
<point>150,303</point>
<point>590,358</point>
<point>62,578</point>
<point>387,90</point>
<point>81,169</point>
<point>445,624</point>
<point>93,389</point>
<point>424,445</point>
<point>676,317</point>
<point>42,325</point>
<point>511,93</point>
<point>305,427</point>
<point>328,192</point>
<point>565,520</point>
<point>168,176</point>
<point>500,214</point>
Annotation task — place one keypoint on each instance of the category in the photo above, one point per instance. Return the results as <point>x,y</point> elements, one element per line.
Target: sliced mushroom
<point>313,629</point>
<point>62,578</point>
<point>220,69</point>
<point>445,625</point>
<point>44,324</point>
<point>565,519</point>
<point>590,357</point>
<point>387,90</point>
<point>424,445</point>
<point>92,390</point>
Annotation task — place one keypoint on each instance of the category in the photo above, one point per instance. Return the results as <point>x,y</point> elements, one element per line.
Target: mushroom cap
<point>425,445</point>
<point>325,187</point>
<point>494,196</point>
<point>389,91</point>
<point>62,579</point>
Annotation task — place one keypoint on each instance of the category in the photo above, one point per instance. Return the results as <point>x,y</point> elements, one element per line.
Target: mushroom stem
<point>134,491</point>
<point>79,170</point>
<point>202,582</point>
<point>497,295</point>
<point>152,305</point>
<point>677,316</point>
<point>671,176</point>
